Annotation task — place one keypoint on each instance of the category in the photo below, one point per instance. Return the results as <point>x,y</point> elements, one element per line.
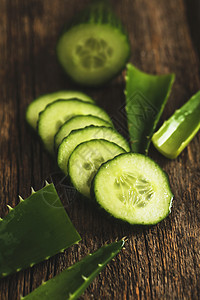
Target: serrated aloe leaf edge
<point>72,282</point>
<point>146,96</point>
<point>36,229</point>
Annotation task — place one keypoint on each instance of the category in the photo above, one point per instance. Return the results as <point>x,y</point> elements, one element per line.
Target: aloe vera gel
<point>176,133</point>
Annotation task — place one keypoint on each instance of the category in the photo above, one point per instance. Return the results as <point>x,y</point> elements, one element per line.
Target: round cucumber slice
<point>91,54</point>
<point>132,187</point>
<point>39,104</point>
<point>58,112</point>
<point>77,122</point>
<point>86,159</point>
<point>79,136</point>
<point>95,47</point>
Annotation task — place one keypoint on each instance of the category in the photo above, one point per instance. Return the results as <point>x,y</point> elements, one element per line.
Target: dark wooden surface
<point>159,262</point>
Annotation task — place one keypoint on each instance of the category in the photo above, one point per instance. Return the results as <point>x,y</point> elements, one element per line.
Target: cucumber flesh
<point>58,112</point>
<point>86,159</point>
<point>39,104</point>
<point>77,122</point>
<point>95,47</point>
<point>132,187</point>
<point>79,136</point>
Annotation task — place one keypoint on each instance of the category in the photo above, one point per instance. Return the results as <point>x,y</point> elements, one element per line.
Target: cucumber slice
<point>79,136</point>
<point>132,187</point>
<point>86,159</point>
<point>39,104</point>
<point>58,112</point>
<point>77,122</point>
<point>176,133</point>
<point>95,47</point>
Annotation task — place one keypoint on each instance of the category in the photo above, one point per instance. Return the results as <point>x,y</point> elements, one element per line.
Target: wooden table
<point>159,262</point>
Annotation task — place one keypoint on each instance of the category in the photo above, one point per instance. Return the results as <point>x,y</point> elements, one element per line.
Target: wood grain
<point>159,262</point>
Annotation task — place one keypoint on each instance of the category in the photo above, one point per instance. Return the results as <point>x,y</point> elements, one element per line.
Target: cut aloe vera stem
<point>176,133</point>
<point>86,159</point>
<point>77,122</point>
<point>79,136</point>
<point>146,96</point>
<point>72,282</point>
<point>36,229</point>
<point>95,47</point>
<point>58,112</point>
<point>133,188</point>
<point>39,104</point>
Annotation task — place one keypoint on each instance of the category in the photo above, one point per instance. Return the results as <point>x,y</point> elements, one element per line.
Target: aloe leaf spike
<point>20,199</point>
<point>72,282</point>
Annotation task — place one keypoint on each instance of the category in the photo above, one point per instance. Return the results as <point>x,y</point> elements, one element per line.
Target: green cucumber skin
<point>90,106</point>
<point>109,214</point>
<point>107,145</point>
<point>32,113</point>
<point>92,129</point>
<point>72,282</point>
<point>97,13</point>
<point>191,110</point>
<point>96,121</point>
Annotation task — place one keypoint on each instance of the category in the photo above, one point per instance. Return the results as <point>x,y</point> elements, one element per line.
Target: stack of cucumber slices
<point>81,135</point>
<point>97,158</point>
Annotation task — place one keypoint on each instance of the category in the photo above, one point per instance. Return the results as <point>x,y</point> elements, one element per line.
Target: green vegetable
<point>146,96</point>
<point>77,122</point>
<point>133,188</point>
<point>79,136</point>
<point>58,112</point>
<point>176,133</point>
<point>39,104</point>
<point>95,47</point>
<point>36,229</point>
<point>72,282</point>
<point>86,159</point>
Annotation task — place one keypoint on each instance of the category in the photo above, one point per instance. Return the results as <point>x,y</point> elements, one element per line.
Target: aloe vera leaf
<point>39,104</point>
<point>72,282</point>
<point>37,228</point>
<point>176,133</point>
<point>146,96</point>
